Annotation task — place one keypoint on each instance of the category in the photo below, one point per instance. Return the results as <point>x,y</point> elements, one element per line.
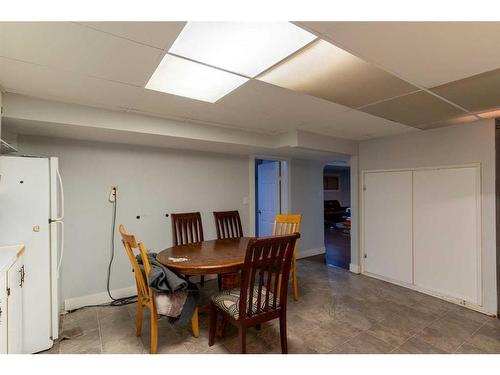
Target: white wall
<point>461,144</point>
<point>151,182</point>
<point>307,199</point>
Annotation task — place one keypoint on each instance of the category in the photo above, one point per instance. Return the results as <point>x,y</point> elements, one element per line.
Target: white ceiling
<point>107,65</point>
<point>424,53</point>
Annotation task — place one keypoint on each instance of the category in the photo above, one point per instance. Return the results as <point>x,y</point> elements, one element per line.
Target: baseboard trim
<point>103,297</point>
<point>354,268</point>
<point>98,298</point>
<point>310,252</point>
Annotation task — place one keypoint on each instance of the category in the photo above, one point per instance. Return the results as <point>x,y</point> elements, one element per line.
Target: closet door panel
<point>388,225</point>
<point>446,230</point>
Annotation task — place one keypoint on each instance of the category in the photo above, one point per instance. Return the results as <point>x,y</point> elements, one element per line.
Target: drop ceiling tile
<point>358,126</point>
<point>414,109</point>
<point>290,106</point>
<point>495,113</point>
<point>454,121</point>
<point>426,53</point>
<point>76,48</point>
<point>156,34</point>
<point>477,93</point>
<point>54,84</point>
<point>326,71</point>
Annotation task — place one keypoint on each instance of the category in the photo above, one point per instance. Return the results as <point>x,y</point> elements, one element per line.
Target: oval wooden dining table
<point>207,257</point>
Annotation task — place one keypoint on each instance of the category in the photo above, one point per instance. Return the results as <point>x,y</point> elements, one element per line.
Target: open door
<point>268,195</point>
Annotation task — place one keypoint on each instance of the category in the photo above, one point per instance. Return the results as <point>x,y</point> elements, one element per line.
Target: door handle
<point>21,274</point>
<point>259,211</point>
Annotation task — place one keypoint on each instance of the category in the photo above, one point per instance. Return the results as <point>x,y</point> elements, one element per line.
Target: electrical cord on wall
<point>115,301</point>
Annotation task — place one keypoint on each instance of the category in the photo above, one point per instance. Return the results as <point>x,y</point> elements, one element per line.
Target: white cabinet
<point>3,313</point>
<point>15,281</point>
<point>447,244</point>
<point>388,225</point>
<point>422,228</point>
<point>11,302</point>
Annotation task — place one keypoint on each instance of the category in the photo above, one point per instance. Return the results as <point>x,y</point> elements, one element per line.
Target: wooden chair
<point>187,228</point>
<point>145,295</point>
<point>260,298</point>
<point>228,225</point>
<point>287,224</point>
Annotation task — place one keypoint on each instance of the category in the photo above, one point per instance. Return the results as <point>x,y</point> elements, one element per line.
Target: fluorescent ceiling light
<point>246,48</point>
<point>182,77</point>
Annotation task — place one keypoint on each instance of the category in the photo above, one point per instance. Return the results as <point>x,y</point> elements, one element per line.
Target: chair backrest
<point>186,228</point>
<point>228,224</point>
<point>141,279</point>
<point>264,284</point>
<point>286,224</point>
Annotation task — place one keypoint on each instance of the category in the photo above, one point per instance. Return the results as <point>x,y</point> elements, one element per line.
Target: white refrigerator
<point>31,213</point>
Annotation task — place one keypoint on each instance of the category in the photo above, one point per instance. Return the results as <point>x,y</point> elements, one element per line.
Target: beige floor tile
<point>449,332</point>
<point>467,348</point>
<point>487,339</point>
<point>364,343</point>
<point>415,345</point>
<point>88,343</point>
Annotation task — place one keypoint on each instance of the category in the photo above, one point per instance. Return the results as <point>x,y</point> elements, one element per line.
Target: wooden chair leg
<point>154,330</point>
<point>202,281</point>
<point>194,323</point>
<point>138,322</point>
<point>213,325</point>
<point>284,344</point>
<point>219,281</point>
<point>242,333</point>
<point>294,280</point>
<point>222,327</point>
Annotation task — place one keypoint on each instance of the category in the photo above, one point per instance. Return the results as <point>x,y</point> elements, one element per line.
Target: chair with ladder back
<point>261,297</point>
<point>145,295</point>
<point>287,224</point>
<point>228,225</point>
<point>187,228</point>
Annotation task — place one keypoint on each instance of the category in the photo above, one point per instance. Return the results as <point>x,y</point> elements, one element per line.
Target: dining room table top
<point>206,257</point>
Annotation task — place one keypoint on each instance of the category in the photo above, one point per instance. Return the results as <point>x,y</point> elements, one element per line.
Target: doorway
<point>271,193</point>
<point>337,215</point>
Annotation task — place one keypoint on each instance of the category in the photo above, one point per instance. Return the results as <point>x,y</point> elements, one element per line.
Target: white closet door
<point>446,230</point>
<point>388,225</point>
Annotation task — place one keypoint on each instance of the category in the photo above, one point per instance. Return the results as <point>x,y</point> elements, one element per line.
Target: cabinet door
<point>447,232</point>
<point>3,313</point>
<point>387,223</point>
<point>15,308</point>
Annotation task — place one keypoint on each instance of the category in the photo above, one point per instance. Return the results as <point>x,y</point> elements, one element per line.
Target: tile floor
<point>338,312</point>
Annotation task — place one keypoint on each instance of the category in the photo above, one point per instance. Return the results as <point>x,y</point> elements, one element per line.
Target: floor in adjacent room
<point>337,247</point>
<point>338,312</point>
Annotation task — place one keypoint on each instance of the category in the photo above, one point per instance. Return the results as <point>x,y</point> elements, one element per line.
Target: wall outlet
<point>112,194</point>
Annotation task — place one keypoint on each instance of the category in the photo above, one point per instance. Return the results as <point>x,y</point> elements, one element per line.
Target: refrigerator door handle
<point>61,189</point>
<point>62,247</point>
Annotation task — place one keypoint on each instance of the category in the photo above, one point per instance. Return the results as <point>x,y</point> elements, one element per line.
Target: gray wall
<point>454,145</point>
<point>150,184</point>
<point>307,199</point>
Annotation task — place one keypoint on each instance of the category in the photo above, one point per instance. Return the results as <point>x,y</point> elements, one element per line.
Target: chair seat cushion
<point>229,301</point>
